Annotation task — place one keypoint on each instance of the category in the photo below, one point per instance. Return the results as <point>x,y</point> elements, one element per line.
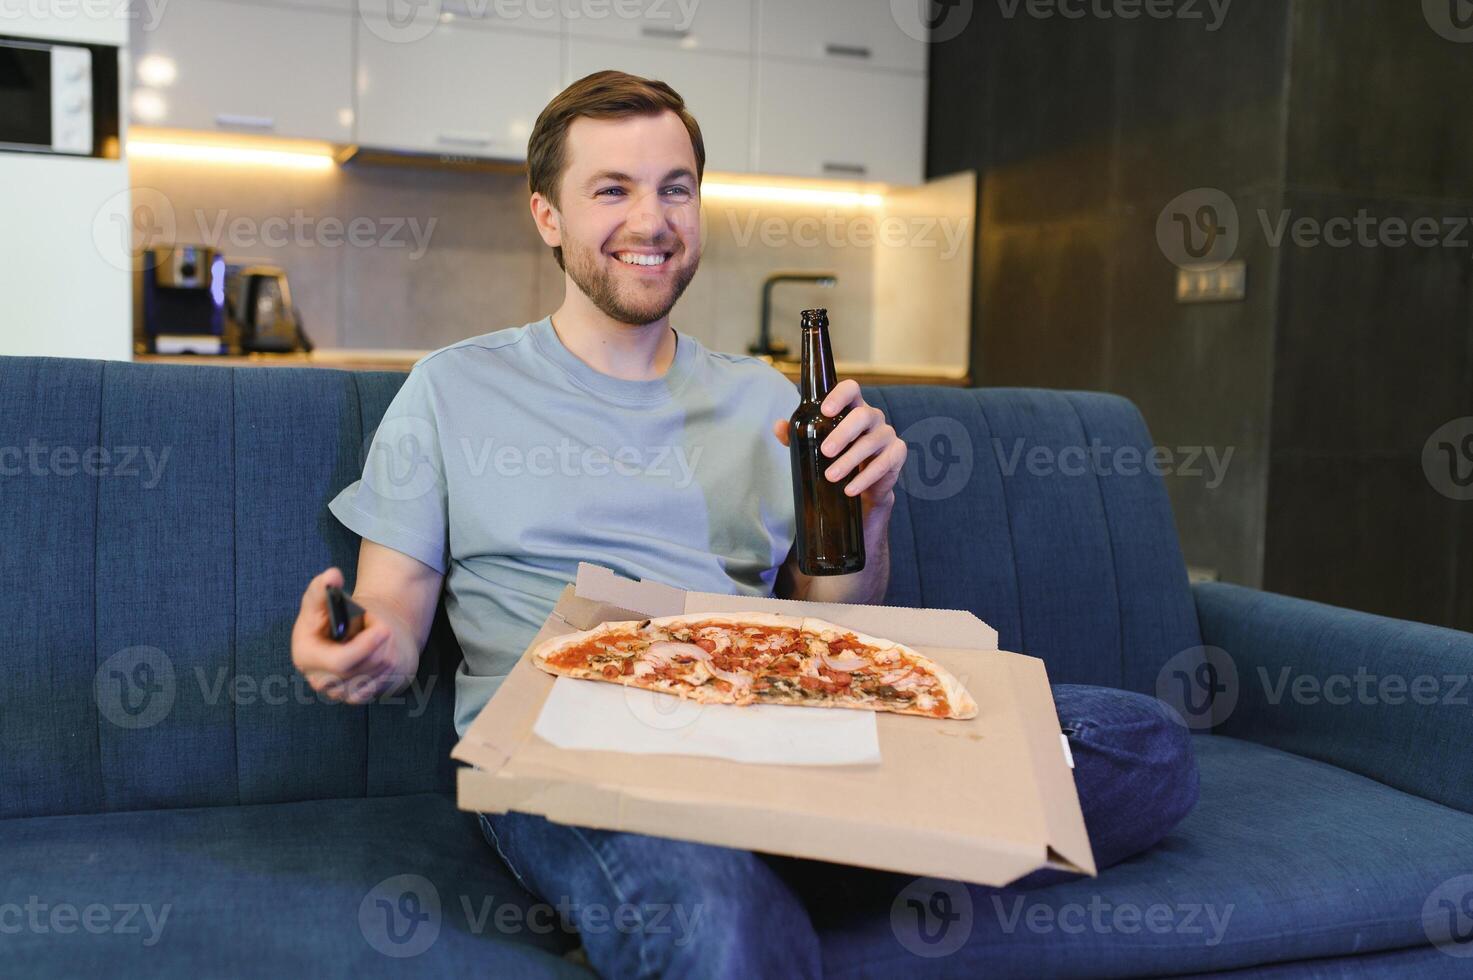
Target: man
<point>601,434</point>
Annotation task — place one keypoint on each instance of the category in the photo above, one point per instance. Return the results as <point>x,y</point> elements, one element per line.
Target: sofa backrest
<point>159,523</point>
<point>147,609</point>
<point>1039,511</point>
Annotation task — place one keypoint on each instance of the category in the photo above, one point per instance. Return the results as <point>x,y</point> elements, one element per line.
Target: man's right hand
<point>356,671</point>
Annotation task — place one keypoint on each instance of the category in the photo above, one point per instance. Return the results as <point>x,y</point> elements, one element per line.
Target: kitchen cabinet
<point>840,32</point>
<point>716,87</point>
<point>809,88</point>
<point>693,25</point>
<point>462,89</point>
<point>246,68</point>
<point>816,120</point>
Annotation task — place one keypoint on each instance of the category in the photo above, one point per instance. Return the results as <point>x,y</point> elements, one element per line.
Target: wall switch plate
<point>1227,283</point>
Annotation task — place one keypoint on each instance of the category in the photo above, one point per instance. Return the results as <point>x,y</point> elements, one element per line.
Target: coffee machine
<point>260,306</point>
<point>184,300</point>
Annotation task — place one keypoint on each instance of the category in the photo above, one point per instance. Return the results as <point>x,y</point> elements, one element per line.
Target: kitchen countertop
<point>388,359</point>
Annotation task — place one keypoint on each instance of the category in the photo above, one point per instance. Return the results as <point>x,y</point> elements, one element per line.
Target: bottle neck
<point>816,377</point>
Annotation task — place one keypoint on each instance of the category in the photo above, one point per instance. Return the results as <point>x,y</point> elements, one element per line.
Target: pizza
<point>759,658</point>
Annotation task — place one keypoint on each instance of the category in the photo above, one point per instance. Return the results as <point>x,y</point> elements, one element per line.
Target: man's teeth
<point>635,258</point>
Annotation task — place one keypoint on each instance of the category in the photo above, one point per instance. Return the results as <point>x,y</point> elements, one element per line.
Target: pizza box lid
<point>985,800</point>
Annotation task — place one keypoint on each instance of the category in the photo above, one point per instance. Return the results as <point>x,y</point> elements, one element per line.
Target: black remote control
<point>345,617</point>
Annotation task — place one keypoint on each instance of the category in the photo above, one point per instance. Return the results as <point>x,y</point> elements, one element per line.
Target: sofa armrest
<point>1382,697</point>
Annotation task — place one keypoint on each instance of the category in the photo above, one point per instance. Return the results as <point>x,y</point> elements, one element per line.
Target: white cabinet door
<point>821,121</point>
<point>716,89</point>
<point>236,67</point>
<point>695,25</point>
<point>409,20</point>
<point>849,32</point>
<point>461,89</point>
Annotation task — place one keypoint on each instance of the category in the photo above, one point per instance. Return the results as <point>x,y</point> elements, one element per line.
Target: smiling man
<point>602,434</point>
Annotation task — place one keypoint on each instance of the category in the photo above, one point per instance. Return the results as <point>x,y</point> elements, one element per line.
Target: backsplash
<point>383,256</point>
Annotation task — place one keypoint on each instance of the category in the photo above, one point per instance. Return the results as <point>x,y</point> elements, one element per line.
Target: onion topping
<point>843,664</point>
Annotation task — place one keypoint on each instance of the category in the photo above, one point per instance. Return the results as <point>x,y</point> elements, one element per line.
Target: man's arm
<point>866,442</point>
<point>399,595</point>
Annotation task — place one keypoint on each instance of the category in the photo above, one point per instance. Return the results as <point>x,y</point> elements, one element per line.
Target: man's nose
<point>645,216</point>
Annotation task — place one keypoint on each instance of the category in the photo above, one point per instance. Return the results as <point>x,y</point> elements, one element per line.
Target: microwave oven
<point>55,97</point>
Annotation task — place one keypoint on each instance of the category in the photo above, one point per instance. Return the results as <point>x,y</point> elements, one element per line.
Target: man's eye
<point>677,190</point>
<point>609,190</point>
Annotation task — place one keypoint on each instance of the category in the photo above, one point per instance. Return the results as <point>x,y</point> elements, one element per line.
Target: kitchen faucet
<point>765,346</point>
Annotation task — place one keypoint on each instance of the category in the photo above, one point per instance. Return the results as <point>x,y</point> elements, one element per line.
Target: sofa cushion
<point>314,888</point>
<point>1296,859</point>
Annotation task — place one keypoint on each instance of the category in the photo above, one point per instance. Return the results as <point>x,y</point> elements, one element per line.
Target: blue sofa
<point>171,805</point>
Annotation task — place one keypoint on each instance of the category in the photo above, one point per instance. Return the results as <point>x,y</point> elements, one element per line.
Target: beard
<point>632,302</point>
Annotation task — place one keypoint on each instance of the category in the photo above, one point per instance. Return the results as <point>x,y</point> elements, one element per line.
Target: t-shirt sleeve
<point>400,501</point>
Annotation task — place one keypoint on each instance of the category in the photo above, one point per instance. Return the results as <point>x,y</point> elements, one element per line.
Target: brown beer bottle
<point>830,531</point>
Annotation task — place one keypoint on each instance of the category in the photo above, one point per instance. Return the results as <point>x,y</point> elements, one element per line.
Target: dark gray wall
<point>1372,353</point>
<point>1326,382</point>
<point>1082,130</point>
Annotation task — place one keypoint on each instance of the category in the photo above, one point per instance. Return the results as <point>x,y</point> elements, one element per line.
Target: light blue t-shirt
<point>504,461</point>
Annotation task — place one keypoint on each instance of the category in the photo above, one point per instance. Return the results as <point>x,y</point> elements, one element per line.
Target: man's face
<point>630,210</point>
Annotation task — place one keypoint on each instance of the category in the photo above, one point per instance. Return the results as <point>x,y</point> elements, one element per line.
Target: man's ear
<point>548,220</point>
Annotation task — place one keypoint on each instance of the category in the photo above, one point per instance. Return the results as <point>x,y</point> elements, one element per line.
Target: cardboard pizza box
<point>986,800</point>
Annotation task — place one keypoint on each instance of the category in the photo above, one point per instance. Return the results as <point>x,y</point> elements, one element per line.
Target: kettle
<point>263,311</point>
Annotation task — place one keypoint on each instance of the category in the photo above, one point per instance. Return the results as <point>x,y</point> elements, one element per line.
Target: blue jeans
<point>651,907</point>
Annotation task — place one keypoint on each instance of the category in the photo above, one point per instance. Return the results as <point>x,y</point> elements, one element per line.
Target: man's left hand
<point>867,443</point>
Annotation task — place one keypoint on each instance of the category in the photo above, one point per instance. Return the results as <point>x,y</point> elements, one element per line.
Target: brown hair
<point>602,95</point>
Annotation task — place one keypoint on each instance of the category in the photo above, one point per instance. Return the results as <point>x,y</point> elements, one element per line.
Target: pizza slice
<point>759,658</point>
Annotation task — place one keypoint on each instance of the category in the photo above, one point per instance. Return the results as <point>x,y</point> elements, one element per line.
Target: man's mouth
<point>648,260</point>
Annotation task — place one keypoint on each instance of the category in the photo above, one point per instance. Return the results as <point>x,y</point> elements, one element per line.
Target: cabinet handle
<point>465,139</point>
<point>847,51</point>
<point>245,122</point>
<point>858,169</point>
<point>665,33</point>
